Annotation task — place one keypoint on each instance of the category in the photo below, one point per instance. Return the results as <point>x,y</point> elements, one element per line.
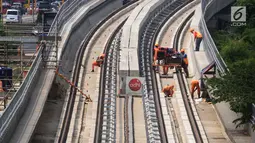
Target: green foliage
<point>237,47</point>
<point>249,36</point>
<point>234,51</point>
<point>237,88</point>
<point>250,8</point>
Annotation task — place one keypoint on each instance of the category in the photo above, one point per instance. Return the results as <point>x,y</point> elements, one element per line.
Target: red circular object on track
<point>135,84</point>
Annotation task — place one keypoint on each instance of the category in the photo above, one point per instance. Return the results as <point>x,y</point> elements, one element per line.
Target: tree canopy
<point>237,47</point>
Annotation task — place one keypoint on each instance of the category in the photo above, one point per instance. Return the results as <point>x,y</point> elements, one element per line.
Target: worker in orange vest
<point>195,86</point>
<point>185,62</point>
<point>98,62</point>
<point>156,49</point>
<point>197,37</point>
<point>168,90</point>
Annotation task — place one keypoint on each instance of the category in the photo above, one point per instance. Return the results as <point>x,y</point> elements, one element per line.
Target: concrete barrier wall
<point>129,64</point>
<point>215,6</point>
<point>80,30</point>
<point>135,35</point>
<point>125,39</point>
<point>129,59</point>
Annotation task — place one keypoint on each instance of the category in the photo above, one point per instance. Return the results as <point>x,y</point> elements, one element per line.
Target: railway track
<point>149,38</point>
<point>105,112</point>
<point>184,89</point>
<point>155,122</point>
<point>100,39</point>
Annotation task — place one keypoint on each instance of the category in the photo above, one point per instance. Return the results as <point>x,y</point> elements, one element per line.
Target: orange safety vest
<point>194,83</point>
<point>168,88</point>
<point>197,34</point>
<point>185,59</point>
<point>156,53</point>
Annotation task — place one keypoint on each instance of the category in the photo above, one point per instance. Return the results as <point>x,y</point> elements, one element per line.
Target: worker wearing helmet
<point>197,37</point>
<point>168,90</point>
<point>98,62</point>
<point>185,62</point>
<point>195,86</point>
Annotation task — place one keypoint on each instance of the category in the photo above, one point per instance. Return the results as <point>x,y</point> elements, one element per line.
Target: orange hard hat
<point>191,29</point>
<point>182,50</point>
<point>156,44</point>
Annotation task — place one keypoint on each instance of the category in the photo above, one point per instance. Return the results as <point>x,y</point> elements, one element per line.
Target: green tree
<point>235,50</point>
<point>237,88</point>
<point>236,46</point>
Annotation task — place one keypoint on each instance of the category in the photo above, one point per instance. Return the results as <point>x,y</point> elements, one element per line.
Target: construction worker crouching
<point>197,37</point>
<point>195,86</point>
<point>98,62</point>
<point>168,90</point>
<point>185,62</point>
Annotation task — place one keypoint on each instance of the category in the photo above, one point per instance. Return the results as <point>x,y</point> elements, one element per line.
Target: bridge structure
<point>73,23</point>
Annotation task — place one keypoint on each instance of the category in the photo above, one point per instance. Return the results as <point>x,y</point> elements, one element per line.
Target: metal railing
<point>208,10</point>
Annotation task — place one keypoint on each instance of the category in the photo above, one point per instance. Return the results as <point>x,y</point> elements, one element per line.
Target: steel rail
<point>78,63</point>
<point>187,104</point>
<point>151,95</point>
<point>126,116</point>
<point>100,107</point>
<point>106,129</point>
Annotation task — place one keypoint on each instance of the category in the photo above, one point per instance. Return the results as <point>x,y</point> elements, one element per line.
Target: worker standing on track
<point>195,86</point>
<point>156,49</point>
<point>98,62</point>
<point>168,90</point>
<point>185,62</point>
<point>197,37</point>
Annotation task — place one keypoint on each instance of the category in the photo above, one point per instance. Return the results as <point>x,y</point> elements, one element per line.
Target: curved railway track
<point>106,121</point>
<point>105,128</point>
<point>78,65</point>
<point>151,96</point>
<point>184,90</point>
<point>150,89</point>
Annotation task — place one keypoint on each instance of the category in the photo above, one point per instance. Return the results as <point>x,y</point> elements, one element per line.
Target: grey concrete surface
<point>139,119</point>
<point>90,83</point>
<point>130,37</point>
<point>120,136</point>
<point>48,123</point>
<point>79,33</point>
